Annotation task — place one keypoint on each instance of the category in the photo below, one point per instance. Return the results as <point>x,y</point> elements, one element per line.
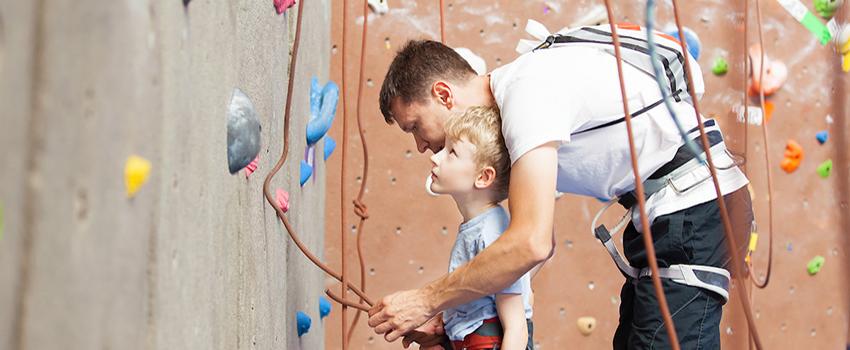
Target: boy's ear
<point>485,178</point>
<point>443,92</point>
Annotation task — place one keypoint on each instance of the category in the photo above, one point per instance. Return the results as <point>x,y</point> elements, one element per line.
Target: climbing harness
<point>681,174</point>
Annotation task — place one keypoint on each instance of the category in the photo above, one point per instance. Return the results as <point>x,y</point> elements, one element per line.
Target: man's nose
<point>421,145</point>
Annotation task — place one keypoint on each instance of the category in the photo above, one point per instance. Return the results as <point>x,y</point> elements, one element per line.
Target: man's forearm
<point>502,263</point>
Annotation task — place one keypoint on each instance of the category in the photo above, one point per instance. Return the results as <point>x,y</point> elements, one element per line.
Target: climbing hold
<point>476,62</point>
<point>822,136</point>
<point>825,168</point>
<point>243,132</point>
<point>282,199</point>
<point>306,172</point>
<point>379,6</point>
<point>136,171</point>
<point>815,265</point>
<point>720,66</point>
<point>303,322</point>
<point>323,102</point>
<point>842,43</point>
<point>282,5</point>
<point>775,73</point>
<point>586,325</point>
<point>827,8</point>
<point>691,39</point>
<point>330,146</point>
<point>793,156</point>
<point>252,166</point>
<point>324,307</point>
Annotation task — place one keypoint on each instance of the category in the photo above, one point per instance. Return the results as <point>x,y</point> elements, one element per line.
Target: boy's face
<point>454,168</point>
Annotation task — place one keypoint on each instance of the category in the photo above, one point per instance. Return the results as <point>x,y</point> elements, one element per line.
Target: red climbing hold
<point>283,5</point>
<point>282,199</point>
<point>252,166</point>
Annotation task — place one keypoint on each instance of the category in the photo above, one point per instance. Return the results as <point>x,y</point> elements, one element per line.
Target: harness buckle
<point>546,43</point>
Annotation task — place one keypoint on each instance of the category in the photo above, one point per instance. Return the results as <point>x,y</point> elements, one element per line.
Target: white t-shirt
<point>548,94</point>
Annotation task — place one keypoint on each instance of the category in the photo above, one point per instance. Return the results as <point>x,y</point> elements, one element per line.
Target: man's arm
<point>525,243</point>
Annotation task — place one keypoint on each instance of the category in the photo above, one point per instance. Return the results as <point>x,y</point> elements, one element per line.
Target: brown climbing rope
<point>360,208</point>
<point>647,232</point>
<point>284,154</point>
<point>442,22</point>
<point>762,285</point>
<point>724,213</point>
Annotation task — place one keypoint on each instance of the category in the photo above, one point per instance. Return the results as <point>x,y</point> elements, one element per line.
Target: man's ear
<point>443,92</point>
<point>486,177</point>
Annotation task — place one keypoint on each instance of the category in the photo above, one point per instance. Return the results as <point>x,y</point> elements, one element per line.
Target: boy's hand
<point>428,335</point>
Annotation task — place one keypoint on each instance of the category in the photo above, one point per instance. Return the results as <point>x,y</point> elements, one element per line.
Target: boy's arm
<point>512,315</point>
<point>525,243</point>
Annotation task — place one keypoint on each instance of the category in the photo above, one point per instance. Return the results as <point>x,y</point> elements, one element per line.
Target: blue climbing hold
<point>324,307</point>
<point>322,110</point>
<point>691,39</point>
<point>330,146</point>
<point>822,136</point>
<point>306,172</point>
<point>303,322</point>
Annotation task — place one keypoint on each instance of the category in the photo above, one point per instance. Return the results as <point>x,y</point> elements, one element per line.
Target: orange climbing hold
<point>775,73</point>
<point>793,156</point>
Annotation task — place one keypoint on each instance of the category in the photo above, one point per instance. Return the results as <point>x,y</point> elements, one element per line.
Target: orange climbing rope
<point>641,199</point>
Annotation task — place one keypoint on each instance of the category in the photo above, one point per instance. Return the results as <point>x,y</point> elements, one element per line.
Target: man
<point>562,122</point>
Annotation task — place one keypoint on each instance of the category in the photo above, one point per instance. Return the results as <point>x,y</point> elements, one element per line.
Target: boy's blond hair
<point>482,126</point>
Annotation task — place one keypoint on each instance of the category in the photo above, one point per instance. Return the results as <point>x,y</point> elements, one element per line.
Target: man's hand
<point>399,313</point>
<point>429,335</point>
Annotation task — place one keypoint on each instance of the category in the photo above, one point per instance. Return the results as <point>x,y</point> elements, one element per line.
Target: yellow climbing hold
<point>136,172</point>
<point>586,325</point>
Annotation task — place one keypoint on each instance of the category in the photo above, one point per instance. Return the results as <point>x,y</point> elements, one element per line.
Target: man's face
<point>424,120</point>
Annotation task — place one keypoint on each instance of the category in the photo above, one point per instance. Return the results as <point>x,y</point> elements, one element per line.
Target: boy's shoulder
<point>492,224</point>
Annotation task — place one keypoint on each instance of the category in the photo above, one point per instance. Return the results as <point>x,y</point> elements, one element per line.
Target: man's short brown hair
<point>415,67</point>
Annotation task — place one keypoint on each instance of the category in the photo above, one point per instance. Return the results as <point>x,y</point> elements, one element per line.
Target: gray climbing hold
<point>243,132</point>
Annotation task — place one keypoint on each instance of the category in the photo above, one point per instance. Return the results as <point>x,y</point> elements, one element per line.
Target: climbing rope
<point>724,213</point>
<point>647,233</point>
<point>360,208</point>
<point>283,156</point>
<point>762,285</point>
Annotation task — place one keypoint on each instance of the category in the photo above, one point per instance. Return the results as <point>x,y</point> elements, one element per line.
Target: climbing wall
<point>407,239</point>
<point>196,259</point>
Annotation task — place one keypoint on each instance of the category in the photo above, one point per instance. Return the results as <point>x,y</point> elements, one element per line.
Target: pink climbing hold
<point>249,169</point>
<point>282,199</point>
<point>283,5</point>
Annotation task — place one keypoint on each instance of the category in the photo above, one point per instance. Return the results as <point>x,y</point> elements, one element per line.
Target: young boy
<point>474,168</point>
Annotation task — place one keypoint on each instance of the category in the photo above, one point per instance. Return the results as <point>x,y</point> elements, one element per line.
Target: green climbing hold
<point>825,168</point>
<point>720,66</point>
<point>827,8</point>
<point>815,265</point>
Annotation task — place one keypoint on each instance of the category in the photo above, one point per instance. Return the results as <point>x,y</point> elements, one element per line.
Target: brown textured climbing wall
<point>409,235</point>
